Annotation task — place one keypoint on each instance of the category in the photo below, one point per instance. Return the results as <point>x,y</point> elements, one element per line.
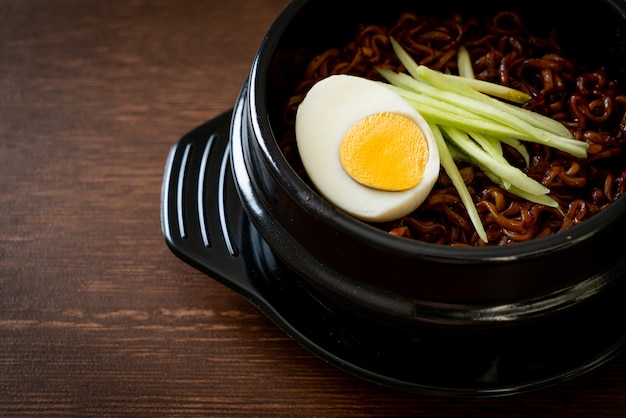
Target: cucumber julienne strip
<point>406,60</point>
<point>534,118</point>
<point>466,70</point>
<point>502,169</point>
<point>542,199</point>
<point>448,164</point>
<point>466,73</point>
<point>492,89</point>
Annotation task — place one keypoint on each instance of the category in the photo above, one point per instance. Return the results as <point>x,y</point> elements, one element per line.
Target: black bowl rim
<point>296,188</point>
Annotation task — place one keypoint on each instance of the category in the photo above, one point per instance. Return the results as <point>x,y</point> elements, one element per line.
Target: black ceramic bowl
<point>400,280</point>
<point>410,315</point>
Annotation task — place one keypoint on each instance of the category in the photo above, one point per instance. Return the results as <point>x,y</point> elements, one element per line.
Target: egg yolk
<point>385,151</point>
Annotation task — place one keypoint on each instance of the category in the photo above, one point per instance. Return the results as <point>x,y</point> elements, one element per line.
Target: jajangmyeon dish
<point>585,99</point>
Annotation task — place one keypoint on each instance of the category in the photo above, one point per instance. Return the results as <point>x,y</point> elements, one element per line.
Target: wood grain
<point>97,316</point>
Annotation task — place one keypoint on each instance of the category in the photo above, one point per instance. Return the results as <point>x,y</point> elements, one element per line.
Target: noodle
<point>586,101</point>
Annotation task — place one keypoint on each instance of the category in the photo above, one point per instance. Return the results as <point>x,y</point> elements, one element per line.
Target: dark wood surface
<point>97,316</point>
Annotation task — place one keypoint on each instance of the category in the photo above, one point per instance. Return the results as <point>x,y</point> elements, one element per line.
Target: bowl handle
<point>195,197</point>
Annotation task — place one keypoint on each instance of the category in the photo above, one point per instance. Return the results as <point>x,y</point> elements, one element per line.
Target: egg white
<point>327,112</point>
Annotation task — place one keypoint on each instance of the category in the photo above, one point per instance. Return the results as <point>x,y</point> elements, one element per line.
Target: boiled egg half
<point>365,149</point>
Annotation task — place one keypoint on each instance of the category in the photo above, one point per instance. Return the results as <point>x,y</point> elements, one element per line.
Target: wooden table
<point>97,316</point>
